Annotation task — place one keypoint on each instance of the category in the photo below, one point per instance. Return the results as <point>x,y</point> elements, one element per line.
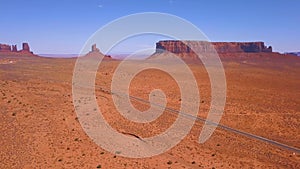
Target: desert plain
<point>40,129</point>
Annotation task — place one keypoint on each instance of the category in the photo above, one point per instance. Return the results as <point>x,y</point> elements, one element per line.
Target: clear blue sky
<point>63,26</point>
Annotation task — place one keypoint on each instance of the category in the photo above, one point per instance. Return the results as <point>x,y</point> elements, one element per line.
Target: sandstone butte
<point>95,52</point>
<point>181,48</point>
<point>177,46</point>
<point>25,51</point>
<point>12,49</point>
<point>187,48</point>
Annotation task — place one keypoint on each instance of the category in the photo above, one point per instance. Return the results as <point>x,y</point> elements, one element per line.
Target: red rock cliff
<point>25,48</point>
<point>13,48</point>
<point>5,48</point>
<point>180,47</point>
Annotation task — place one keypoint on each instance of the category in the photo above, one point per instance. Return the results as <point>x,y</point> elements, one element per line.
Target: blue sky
<point>63,26</point>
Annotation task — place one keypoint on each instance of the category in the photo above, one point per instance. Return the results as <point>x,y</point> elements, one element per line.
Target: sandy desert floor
<point>40,129</point>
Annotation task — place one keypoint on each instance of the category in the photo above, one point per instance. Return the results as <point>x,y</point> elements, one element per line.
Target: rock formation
<point>25,47</point>
<point>13,49</point>
<point>180,47</point>
<point>5,48</point>
<point>293,53</point>
<point>95,52</point>
<point>94,48</point>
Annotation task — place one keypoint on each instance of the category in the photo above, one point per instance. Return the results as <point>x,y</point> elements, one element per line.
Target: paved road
<point>199,119</point>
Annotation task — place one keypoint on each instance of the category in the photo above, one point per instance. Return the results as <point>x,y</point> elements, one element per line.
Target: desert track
<point>202,120</point>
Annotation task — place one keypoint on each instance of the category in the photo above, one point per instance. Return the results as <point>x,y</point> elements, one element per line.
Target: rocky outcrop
<point>25,47</point>
<point>14,48</point>
<point>94,48</point>
<point>293,53</point>
<point>4,48</point>
<point>183,47</point>
<point>95,52</point>
<point>248,47</point>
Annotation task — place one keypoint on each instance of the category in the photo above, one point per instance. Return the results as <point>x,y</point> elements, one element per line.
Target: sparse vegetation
<point>59,133</point>
<point>169,162</point>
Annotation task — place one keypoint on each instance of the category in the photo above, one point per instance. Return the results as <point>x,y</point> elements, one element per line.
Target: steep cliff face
<point>182,47</point>
<point>25,48</point>
<point>14,48</point>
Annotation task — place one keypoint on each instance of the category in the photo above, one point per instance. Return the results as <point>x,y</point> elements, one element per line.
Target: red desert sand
<point>40,129</point>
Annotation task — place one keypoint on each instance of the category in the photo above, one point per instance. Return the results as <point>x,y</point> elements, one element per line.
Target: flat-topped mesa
<point>234,47</point>
<point>180,47</point>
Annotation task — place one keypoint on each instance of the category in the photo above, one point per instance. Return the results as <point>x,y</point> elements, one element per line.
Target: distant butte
<point>177,46</point>
<point>183,48</point>
<point>95,52</point>
<point>12,49</point>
